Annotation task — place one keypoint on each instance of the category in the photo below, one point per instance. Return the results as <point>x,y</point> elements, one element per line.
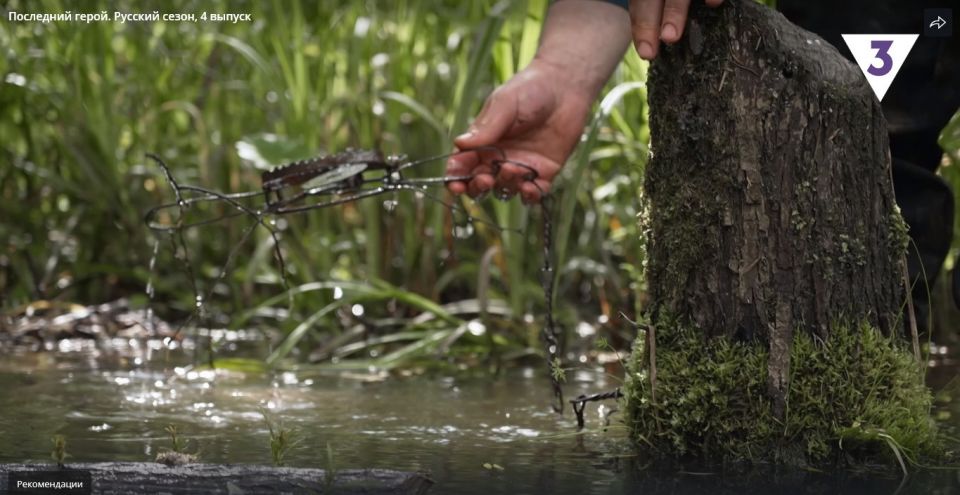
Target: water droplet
<point>585,329</point>
<point>150,289</point>
<point>357,310</point>
<point>476,328</point>
<point>337,293</point>
<point>390,205</point>
<point>200,307</point>
<point>463,232</point>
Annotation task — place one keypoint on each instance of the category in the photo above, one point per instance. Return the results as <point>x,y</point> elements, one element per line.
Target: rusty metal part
<point>299,172</point>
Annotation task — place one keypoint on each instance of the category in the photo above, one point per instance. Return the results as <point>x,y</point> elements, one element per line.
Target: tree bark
<point>771,199</point>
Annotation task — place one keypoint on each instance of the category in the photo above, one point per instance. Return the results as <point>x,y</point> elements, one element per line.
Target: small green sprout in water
<point>492,467</point>
<point>59,449</point>
<point>556,369</point>
<point>281,439</point>
<point>175,455</point>
<point>178,445</point>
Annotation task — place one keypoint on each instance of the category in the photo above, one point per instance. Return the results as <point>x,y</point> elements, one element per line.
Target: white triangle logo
<point>880,57</point>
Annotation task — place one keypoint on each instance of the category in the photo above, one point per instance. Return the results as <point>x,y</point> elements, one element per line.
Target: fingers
<point>481,183</point>
<point>527,174</point>
<point>674,18</point>
<point>656,20</point>
<point>476,163</point>
<point>645,21</point>
<point>521,172</point>
<point>460,164</point>
<point>532,192</point>
<point>494,120</point>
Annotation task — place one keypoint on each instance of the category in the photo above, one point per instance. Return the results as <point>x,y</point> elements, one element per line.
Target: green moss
<point>858,394</point>
<point>898,237</point>
<point>685,240</point>
<point>851,251</point>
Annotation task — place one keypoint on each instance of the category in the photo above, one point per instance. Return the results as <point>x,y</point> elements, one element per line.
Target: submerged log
<point>147,477</point>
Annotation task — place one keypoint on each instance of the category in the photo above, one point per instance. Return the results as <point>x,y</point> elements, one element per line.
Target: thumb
<point>494,120</point>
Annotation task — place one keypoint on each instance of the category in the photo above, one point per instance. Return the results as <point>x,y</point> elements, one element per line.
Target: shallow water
<point>472,434</point>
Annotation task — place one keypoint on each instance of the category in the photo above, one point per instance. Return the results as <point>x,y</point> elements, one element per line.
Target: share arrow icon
<point>880,57</point>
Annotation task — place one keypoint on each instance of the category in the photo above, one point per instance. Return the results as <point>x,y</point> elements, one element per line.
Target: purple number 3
<point>883,54</point>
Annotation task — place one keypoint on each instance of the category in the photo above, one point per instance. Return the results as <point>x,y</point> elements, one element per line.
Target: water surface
<point>473,434</point>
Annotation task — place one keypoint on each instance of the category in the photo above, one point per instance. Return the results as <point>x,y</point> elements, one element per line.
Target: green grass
<point>282,439</point>
<point>59,453</point>
<point>219,102</point>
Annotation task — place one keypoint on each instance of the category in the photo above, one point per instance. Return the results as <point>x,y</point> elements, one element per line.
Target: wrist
<point>583,41</point>
<point>569,84</point>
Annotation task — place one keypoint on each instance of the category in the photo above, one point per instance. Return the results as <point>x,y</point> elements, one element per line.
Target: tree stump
<point>771,199</point>
<point>775,255</point>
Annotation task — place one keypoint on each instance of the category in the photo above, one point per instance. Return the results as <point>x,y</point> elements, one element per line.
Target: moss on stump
<point>858,396</point>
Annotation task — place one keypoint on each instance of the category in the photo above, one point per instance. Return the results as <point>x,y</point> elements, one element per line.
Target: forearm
<point>585,40</point>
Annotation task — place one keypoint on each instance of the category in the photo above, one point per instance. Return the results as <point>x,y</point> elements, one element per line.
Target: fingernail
<point>669,33</point>
<point>645,50</point>
<point>466,135</point>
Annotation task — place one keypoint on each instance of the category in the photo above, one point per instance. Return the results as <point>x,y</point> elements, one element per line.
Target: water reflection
<point>473,434</point>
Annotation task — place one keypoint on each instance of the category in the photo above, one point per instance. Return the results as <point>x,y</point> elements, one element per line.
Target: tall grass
<point>219,102</point>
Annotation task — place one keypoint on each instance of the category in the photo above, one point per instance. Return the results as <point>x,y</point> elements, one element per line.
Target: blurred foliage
<point>81,104</point>
<point>950,170</point>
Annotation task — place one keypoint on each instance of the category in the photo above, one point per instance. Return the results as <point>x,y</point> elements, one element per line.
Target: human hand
<point>535,119</point>
<point>656,20</point>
